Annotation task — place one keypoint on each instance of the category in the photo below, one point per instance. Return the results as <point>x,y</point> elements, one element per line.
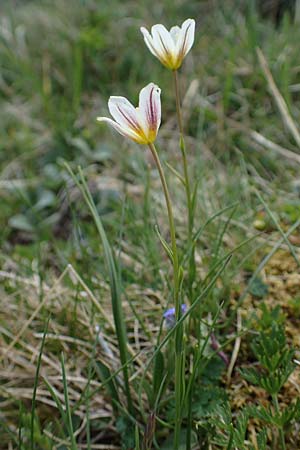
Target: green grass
<point>114,385</point>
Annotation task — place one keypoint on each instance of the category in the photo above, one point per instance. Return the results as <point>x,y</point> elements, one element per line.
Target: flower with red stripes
<point>140,124</point>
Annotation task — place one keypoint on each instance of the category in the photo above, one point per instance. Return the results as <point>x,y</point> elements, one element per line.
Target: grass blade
<point>56,399</point>
<point>278,98</point>
<point>283,235</point>
<point>36,378</point>
<point>67,405</point>
<point>113,280</point>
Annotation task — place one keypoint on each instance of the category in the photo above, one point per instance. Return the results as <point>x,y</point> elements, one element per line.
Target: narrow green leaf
<point>35,385</point>
<point>164,244</point>
<point>158,373</point>
<point>283,235</point>
<point>176,173</point>
<point>105,374</point>
<point>114,282</point>
<point>67,405</point>
<point>56,399</point>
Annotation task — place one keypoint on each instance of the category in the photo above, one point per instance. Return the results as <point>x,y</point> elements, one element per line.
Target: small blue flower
<point>169,315</point>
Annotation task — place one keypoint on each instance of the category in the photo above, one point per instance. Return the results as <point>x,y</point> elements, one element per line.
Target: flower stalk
<point>179,358</point>
<point>187,184</point>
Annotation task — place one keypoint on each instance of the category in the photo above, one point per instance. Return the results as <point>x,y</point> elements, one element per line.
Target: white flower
<point>170,47</point>
<point>139,124</point>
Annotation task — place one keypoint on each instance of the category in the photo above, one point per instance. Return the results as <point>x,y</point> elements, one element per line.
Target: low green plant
<point>231,431</point>
<point>271,371</point>
<point>275,358</point>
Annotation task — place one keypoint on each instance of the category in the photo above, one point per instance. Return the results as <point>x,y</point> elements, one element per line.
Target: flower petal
<point>124,113</point>
<point>149,42</point>
<point>186,39</point>
<point>149,110</point>
<point>124,131</point>
<point>163,43</point>
<point>175,33</point>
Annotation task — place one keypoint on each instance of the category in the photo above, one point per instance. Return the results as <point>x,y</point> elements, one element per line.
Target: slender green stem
<point>191,271</point>
<point>191,265</point>
<point>182,146</point>
<point>280,429</point>
<point>170,213</point>
<point>178,102</point>
<point>176,275</point>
